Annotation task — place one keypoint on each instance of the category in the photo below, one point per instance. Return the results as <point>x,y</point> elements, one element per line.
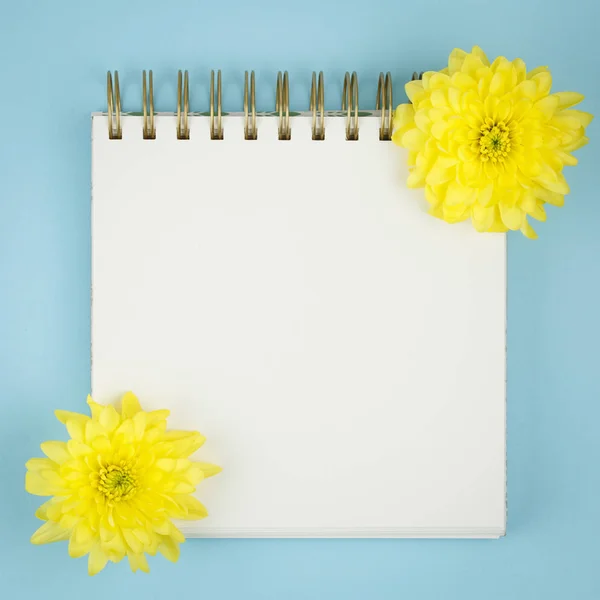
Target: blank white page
<point>342,351</point>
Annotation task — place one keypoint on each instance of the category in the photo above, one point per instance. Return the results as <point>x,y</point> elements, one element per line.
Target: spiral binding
<point>317,102</point>
<point>250,131</point>
<point>183,98</point>
<point>350,104</point>
<point>216,133</point>
<point>384,103</point>
<point>114,100</point>
<point>282,106</point>
<point>149,130</point>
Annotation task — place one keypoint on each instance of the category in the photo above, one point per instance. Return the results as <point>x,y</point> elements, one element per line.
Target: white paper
<point>342,351</point>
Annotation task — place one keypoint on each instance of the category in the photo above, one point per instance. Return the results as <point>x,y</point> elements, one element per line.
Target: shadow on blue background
<point>53,61</point>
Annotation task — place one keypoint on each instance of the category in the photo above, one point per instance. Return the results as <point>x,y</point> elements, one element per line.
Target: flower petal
<point>479,53</point>
<point>511,216</point>
<point>193,508</point>
<point>416,178</point>
<point>78,449</point>
<point>76,429</point>
<point>484,198</point>
<point>567,99</point>
<point>482,217</point>
<point>50,532</point>
<point>547,106</point>
<point>130,405</point>
<point>528,231</point>
<point>414,139</point>
<point>97,559</point>
<point>458,194</point>
<point>456,60</point>
<point>169,548</point>
<point>95,408</point>
<point>555,182</point>
<point>80,545</point>
<point>584,118</point>
<point>56,451</point>
<point>139,425</point>
<point>109,418</point>
<point>455,214</point>
<point>414,90</point>
<point>132,541</point>
<point>66,415</point>
<point>40,464</point>
<point>38,486</point>
<point>138,561</point>
<point>93,429</point>
<point>208,469</point>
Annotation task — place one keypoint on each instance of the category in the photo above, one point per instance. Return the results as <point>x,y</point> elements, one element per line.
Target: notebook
<point>342,351</point>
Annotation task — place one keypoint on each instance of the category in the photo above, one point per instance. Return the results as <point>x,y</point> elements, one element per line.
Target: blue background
<point>53,62</point>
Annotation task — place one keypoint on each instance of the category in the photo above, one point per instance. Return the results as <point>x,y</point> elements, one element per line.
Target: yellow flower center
<point>116,482</point>
<point>494,141</point>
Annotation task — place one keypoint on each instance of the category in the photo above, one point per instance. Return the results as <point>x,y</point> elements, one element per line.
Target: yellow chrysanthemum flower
<point>116,485</point>
<point>489,141</point>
